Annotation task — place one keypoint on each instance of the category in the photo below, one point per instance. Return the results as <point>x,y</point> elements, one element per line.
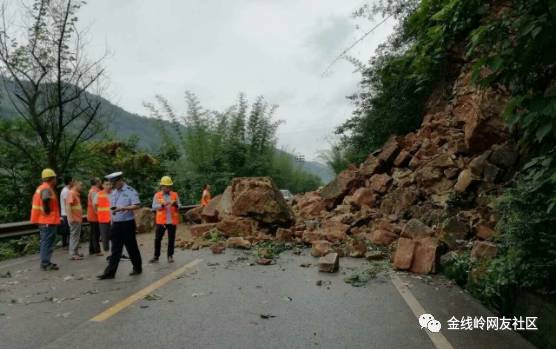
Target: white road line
<point>438,339</point>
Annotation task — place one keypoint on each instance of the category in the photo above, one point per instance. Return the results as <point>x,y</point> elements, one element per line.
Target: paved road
<point>216,301</point>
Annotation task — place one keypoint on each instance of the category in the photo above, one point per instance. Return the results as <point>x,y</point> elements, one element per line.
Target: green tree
<point>215,147</point>
<point>47,76</point>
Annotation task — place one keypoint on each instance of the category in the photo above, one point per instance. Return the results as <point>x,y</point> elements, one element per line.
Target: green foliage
<point>405,70</point>
<point>289,174</point>
<point>92,159</point>
<point>142,170</point>
<point>271,249</point>
<point>458,268</point>
<point>516,48</point>
<point>11,248</point>
<point>209,147</point>
<point>336,158</point>
<point>511,48</point>
<point>527,253</point>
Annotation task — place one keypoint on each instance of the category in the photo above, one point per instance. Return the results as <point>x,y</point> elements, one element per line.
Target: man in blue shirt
<point>123,200</point>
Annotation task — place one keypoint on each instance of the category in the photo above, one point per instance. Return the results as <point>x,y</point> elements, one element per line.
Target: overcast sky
<point>218,48</point>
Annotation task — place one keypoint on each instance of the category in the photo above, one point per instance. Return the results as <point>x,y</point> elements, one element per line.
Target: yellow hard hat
<point>48,173</point>
<point>166,180</point>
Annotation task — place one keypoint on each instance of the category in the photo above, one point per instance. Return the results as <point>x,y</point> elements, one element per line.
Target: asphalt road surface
<point>226,301</point>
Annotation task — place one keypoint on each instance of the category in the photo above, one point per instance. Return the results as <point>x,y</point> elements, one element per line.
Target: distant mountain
<point>321,170</point>
<point>124,125</point>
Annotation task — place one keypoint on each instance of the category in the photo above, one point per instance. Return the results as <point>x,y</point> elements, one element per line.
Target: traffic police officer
<point>123,200</point>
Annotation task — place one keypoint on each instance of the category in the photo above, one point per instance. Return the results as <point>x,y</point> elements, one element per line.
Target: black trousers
<point>123,234</point>
<point>64,231</point>
<point>159,234</point>
<point>94,239</point>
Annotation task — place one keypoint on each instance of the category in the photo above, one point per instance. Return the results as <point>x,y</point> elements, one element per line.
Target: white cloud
<point>275,48</point>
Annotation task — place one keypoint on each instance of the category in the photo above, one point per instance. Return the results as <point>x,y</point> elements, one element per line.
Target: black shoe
<point>124,256</point>
<point>170,259</point>
<point>105,276</point>
<point>51,266</point>
<point>135,272</point>
<point>154,260</point>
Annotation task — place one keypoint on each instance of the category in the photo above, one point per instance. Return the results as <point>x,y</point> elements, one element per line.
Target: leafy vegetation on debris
<point>152,297</point>
<point>271,249</point>
<point>17,247</point>
<point>362,277</point>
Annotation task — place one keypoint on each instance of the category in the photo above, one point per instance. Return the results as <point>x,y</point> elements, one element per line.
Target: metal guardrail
<point>17,229</point>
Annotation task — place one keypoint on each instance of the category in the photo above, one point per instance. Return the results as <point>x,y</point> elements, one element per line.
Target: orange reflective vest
<point>161,212</point>
<point>205,198</point>
<point>103,207</point>
<point>38,216</point>
<point>91,214</point>
<point>76,210</point>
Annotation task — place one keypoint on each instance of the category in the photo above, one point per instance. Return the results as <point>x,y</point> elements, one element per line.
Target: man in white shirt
<point>64,228</point>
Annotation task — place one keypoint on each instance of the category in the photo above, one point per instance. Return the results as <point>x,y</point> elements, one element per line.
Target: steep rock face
<point>430,182</point>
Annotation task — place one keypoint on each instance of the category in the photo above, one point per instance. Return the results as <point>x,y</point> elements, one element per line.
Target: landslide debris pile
<point>426,193</point>
<point>420,196</point>
<point>250,211</point>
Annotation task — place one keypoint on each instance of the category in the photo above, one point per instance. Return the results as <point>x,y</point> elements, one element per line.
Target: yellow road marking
<point>438,339</point>
<point>116,308</point>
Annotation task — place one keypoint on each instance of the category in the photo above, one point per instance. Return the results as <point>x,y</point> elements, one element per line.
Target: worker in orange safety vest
<point>166,204</point>
<point>92,218</point>
<point>205,197</point>
<point>74,210</point>
<point>101,205</point>
<point>45,212</point>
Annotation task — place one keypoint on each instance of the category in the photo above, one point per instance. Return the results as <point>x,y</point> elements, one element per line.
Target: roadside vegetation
<point>511,48</point>
<point>53,116</point>
<point>212,147</point>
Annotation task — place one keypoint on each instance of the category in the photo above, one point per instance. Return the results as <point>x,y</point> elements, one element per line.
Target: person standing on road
<point>123,200</point>
<point>64,229</point>
<point>74,209</point>
<point>92,218</point>
<point>101,205</point>
<point>45,212</point>
<point>166,204</point>
<point>205,197</point>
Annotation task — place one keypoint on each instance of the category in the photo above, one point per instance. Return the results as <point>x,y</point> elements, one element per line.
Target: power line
<point>353,45</point>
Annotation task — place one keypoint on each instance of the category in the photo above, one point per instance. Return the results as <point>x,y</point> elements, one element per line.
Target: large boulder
<point>370,166</point>
<point>310,205</point>
<point>210,213</point>
<point>380,183</point>
<point>398,201</point>
<point>144,220</point>
<point>237,226</point>
<point>333,230</point>
<point>260,199</point>
<point>335,191</point>
<point>320,248</point>
<point>425,257</point>
<point>403,256</point>
<point>480,110</point>
<point>193,216</point>
<point>201,230</point>
<point>363,197</point>
<point>389,150</point>
<point>415,229</point>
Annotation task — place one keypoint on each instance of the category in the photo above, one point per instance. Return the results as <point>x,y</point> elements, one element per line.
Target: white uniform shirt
<point>63,196</point>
